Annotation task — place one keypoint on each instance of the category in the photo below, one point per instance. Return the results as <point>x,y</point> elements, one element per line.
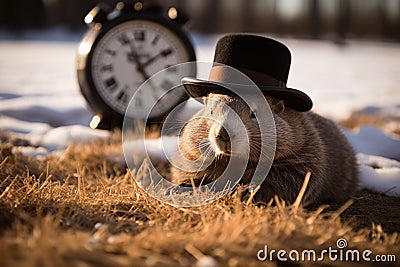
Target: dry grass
<point>389,124</point>
<point>82,210</point>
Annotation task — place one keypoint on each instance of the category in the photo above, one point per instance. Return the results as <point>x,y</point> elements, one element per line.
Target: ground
<point>81,209</point>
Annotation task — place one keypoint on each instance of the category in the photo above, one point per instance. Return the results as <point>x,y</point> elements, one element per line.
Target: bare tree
<point>315,21</point>
<point>209,13</point>
<point>343,20</point>
<point>248,21</point>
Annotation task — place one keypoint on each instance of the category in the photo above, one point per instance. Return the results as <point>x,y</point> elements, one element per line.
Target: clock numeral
<point>139,35</point>
<point>123,39</point>
<point>122,97</point>
<point>107,68</point>
<point>171,69</point>
<point>166,85</point>
<point>111,83</point>
<point>111,52</point>
<point>155,40</point>
<point>166,52</point>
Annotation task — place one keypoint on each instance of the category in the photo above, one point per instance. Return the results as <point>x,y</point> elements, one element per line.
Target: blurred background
<point>322,19</point>
<point>345,55</point>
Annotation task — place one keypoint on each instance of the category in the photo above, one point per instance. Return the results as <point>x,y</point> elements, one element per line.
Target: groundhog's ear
<point>278,106</point>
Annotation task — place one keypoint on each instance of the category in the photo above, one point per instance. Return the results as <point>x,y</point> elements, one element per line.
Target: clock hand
<point>133,56</point>
<point>162,53</point>
<point>140,68</point>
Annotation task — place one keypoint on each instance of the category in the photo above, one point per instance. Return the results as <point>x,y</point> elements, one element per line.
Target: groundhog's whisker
<point>203,145</point>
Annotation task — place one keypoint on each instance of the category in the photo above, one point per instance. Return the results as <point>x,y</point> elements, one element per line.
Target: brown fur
<point>305,142</point>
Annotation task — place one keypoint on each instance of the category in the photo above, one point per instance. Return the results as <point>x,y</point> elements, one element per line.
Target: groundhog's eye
<point>253,114</point>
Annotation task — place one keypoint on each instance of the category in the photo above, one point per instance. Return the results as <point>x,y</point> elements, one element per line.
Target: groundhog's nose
<point>222,141</point>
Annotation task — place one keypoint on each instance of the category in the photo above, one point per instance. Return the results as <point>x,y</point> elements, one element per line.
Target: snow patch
<point>61,137</point>
<point>370,140</point>
<point>379,174</point>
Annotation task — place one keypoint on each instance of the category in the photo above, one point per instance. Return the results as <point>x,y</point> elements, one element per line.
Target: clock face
<point>130,53</point>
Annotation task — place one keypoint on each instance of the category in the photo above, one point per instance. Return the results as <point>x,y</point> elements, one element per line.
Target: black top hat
<point>265,61</point>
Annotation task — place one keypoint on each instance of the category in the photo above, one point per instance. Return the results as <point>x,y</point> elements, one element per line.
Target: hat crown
<point>254,53</point>
<point>265,61</point>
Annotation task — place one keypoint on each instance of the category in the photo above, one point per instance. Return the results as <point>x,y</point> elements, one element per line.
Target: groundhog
<point>305,142</point>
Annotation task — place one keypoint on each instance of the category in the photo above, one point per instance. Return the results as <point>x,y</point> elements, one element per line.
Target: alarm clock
<point>122,49</point>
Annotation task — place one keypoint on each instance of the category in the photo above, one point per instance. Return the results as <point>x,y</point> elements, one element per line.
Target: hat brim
<point>293,98</point>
